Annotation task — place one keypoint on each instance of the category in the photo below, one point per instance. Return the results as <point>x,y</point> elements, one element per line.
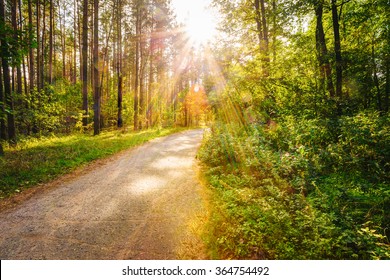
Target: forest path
<point>134,207</point>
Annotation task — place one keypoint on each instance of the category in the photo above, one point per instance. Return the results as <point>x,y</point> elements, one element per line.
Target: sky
<point>198,17</point>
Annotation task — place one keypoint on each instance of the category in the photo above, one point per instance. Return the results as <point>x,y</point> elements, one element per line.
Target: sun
<point>201,28</point>
<point>197,17</point>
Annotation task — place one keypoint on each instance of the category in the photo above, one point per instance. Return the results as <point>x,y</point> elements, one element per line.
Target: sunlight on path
<point>135,207</point>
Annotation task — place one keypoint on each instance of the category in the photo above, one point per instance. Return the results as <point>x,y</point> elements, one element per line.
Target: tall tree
<point>39,49</point>
<point>3,127</point>
<point>142,66</point>
<point>51,41</point>
<point>5,56</point>
<point>75,29</point>
<point>84,63</point>
<point>262,30</point>
<point>16,61</point>
<point>337,49</point>
<point>22,27</point>
<point>119,61</point>
<point>31,66</point>
<point>149,106</point>
<point>96,82</point>
<point>137,62</point>
<point>43,46</point>
<point>322,51</point>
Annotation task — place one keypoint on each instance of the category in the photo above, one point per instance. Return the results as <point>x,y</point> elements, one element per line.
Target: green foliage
<point>299,189</point>
<point>313,164</point>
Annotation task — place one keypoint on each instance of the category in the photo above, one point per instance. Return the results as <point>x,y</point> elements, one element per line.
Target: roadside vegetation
<point>300,190</point>
<point>39,160</point>
<point>298,159</point>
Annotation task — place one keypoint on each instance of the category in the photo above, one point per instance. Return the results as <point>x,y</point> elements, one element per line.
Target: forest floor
<point>139,204</point>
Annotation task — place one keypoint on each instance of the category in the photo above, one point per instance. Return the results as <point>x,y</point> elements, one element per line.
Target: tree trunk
<point>258,22</point>
<point>265,27</point>
<point>322,52</point>
<point>3,127</point>
<point>21,27</point>
<point>387,87</point>
<point>62,28</point>
<point>31,67</point>
<point>274,12</point>
<point>16,38</point>
<point>74,78</point>
<point>376,79</point>
<point>43,48</point>
<point>262,30</point>
<point>80,47</point>
<point>151,78</point>
<point>5,55</point>
<point>38,11</point>
<point>137,49</point>
<point>51,31</point>
<point>119,62</point>
<point>96,88</point>
<point>337,50</point>
<point>85,62</point>
<point>387,75</point>
<point>142,84</point>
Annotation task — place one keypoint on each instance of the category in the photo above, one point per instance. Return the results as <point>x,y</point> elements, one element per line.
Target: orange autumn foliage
<point>196,105</point>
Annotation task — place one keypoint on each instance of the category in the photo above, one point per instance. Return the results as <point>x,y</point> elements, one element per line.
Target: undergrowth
<point>39,160</point>
<point>302,189</point>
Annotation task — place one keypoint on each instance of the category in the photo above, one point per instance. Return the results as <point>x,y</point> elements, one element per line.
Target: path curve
<point>135,207</point>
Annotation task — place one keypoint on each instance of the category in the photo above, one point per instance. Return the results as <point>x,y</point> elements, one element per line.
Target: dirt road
<point>133,207</point>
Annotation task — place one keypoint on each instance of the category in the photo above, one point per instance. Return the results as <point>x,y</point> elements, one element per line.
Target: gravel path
<point>134,207</point>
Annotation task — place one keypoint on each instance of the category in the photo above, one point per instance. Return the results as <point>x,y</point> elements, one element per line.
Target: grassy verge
<point>36,161</point>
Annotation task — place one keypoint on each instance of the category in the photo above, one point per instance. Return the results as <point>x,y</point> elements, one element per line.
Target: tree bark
<point>137,50</point>
<point>5,55</point>
<point>15,28</point>
<point>142,82</point>
<point>265,27</point>
<point>262,30</point>
<point>274,12</point>
<point>96,83</point>
<point>31,67</point>
<point>43,47</point>
<point>322,52</point>
<point>62,28</point>
<point>51,31</point>
<point>151,78</point>
<point>387,87</point>
<point>387,74</point>
<point>74,78</point>
<point>258,22</point>
<point>119,62</point>
<point>376,79</point>
<point>337,50</point>
<point>85,62</point>
<point>3,127</point>
<point>21,27</point>
<point>38,12</point>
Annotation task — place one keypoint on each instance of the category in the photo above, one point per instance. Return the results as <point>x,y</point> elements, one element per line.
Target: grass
<point>39,160</point>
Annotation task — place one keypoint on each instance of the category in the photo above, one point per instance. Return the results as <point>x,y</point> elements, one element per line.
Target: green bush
<point>302,189</point>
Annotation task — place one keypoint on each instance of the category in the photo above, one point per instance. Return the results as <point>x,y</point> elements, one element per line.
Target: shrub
<point>303,189</point>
